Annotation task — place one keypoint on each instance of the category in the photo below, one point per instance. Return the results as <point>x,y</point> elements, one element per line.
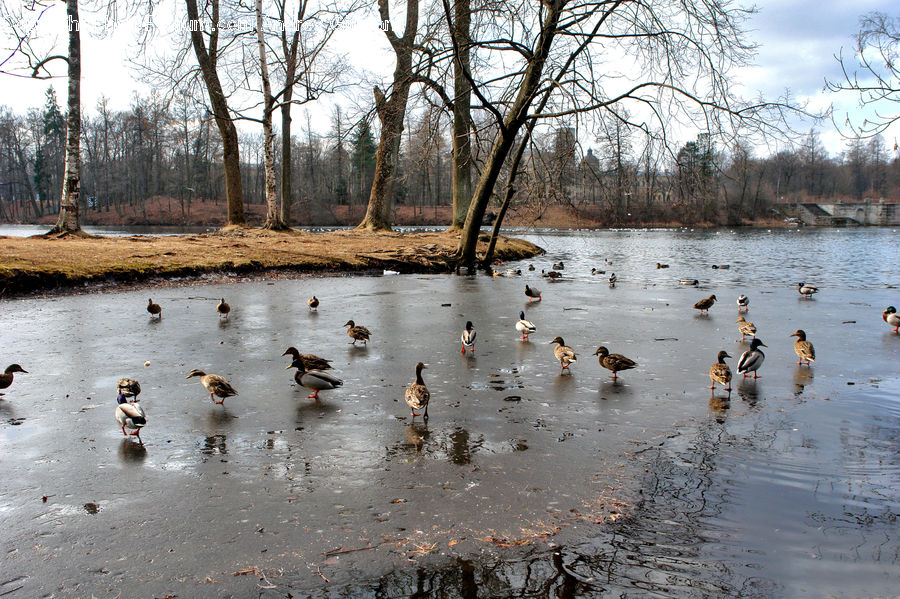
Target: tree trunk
<point>462,91</point>
<point>68,211</point>
<point>391,113</point>
<point>287,192</point>
<point>273,211</point>
<point>516,117</point>
<point>231,157</point>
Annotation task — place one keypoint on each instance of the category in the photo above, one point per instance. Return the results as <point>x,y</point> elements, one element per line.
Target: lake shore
<point>36,264</point>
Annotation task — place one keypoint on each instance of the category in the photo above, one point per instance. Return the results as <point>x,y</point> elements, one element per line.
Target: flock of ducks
<point>311,369</point>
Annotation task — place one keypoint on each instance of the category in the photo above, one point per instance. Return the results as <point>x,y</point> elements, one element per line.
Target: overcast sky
<point>797,40</point>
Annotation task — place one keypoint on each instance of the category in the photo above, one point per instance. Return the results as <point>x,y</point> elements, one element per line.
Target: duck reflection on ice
<point>214,444</point>
<point>132,453</point>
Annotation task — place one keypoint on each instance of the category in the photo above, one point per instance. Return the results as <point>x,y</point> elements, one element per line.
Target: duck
<point>891,317</point>
<point>313,379</point>
<point>752,359</point>
<point>691,282</point>
<point>595,271</point>
<point>720,373</point>
<point>417,395</point>
<point>608,261</point>
<point>509,272</point>
<point>310,361</point>
<point>743,303</point>
<point>130,416</point>
<point>745,327</point>
<point>223,308</point>
<point>313,303</point>
<point>215,384</point>
<point>154,309</point>
<point>803,348</point>
<point>357,333</point>
<point>531,267</point>
<point>612,279</point>
<point>563,353</point>
<point>526,327</point>
<point>806,290</point>
<point>129,388</point>
<point>468,338</point>
<point>614,362</point>
<point>705,304</point>
<point>658,265</point>
<point>531,293</point>
<point>559,266</point>
<point>6,379</point>
<point>552,275</point>
<point>721,266</point>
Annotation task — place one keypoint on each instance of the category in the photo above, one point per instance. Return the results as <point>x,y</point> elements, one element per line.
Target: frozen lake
<point>524,482</point>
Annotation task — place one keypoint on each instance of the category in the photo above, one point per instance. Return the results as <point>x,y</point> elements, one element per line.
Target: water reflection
<point>748,391</point>
<point>214,444</point>
<point>132,452</point>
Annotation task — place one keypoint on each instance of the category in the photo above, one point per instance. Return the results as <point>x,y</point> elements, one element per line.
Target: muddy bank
<point>38,264</point>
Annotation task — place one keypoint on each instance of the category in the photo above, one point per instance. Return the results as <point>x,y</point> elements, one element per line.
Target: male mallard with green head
<point>803,348</point>
<point>891,317</point>
<point>720,373</point>
<point>563,353</point>
<point>310,361</point>
<point>417,395</point>
<point>130,416</point>
<point>6,379</point>
<point>468,338</point>
<point>526,327</point>
<point>313,303</point>
<point>154,309</point>
<point>743,303</point>
<point>614,362</point>
<point>531,293</point>
<point>752,359</point>
<point>313,379</point>
<point>357,332</point>
<point>215,384</point>
<point>806,290</point>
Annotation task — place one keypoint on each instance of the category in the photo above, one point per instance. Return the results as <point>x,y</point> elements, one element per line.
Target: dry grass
<point>37,263</point>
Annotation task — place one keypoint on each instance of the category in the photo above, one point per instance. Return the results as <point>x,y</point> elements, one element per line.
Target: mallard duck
<point>310,361</point>
<point>751,359</point>
<point>552,275</point>
<point>531,267</point>
<point>524,326</point>
<point>313,379</point>
<point>509,272</point>
<point>692,282</point>
<point>720,373</point>
<point>129,388</point>
<point>131,416</point>
<point>806,290</point>
<point>6,379</point>
<point>745,327</point>
<point>532,293</point>
<point>608,261</point>
<point>891,317</point>
<point>743,303</point>
<point>721,266</point>
<point>658,265</point>
<point>595,271</point>
<point>313,303</point>
<point>705,304</point>
<point>803,348</point>
<point>563,353</point>
<point>154,309</point>
<point>468,338</point>
<point>614,362</point>
<point>357,333</point>
<point>223,308</point>
<point>417,394</point>
<point>215,384</point>
<point>559,266</point>
<point>612,279</point>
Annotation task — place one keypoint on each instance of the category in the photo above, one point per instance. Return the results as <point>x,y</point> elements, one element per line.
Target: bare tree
<point>875,76</point>
<point>208,61</point>
<point>391,110</point>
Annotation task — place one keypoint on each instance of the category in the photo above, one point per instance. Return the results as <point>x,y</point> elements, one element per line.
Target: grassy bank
<point>35,264</point>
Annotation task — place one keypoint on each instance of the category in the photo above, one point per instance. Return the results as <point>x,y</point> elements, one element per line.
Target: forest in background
<point>160,163</point>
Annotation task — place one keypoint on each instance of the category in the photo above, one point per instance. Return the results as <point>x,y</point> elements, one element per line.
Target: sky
<point>797,39</point>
